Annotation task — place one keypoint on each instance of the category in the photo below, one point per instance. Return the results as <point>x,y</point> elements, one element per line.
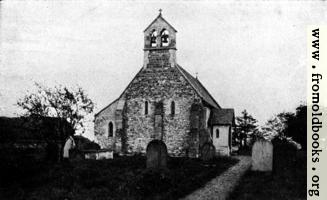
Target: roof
<point>195,83</point>
<point>160,16</point>
<point>223,116</point>
<point>198,87</point>
<point>33,127</point>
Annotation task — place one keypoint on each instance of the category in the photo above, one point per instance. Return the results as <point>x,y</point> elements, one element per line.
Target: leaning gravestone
<point>156,154</point>
<point>208,151</point>
<point>262,156</point>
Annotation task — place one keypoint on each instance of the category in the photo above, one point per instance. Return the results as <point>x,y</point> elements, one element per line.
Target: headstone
<point>208,151</point>
<point>156,154</point>
<point>69,144</point>
<point>262,156</point>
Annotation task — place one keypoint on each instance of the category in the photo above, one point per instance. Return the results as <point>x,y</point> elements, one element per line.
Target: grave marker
<point>262,156</point>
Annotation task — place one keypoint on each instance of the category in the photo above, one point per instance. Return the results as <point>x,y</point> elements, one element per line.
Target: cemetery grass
<point>120,178</point>
<point>288,182</point>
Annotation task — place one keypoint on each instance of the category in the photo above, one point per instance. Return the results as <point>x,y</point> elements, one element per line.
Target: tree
<point>297,126</point>
<point>245,128</point>
<point>289,125</point>
<point>66,108</point>
<point>276,126</point>
<point>60,102</point>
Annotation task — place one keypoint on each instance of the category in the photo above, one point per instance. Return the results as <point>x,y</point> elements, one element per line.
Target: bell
<point>165,38</point>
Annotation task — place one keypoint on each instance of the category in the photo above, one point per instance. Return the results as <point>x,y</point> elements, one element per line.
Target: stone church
<point>165,102</point>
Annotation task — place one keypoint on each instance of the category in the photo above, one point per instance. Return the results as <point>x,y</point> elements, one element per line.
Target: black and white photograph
<point>159,100</point>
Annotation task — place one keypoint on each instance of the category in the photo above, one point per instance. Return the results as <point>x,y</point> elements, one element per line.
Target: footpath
<point>221,187</point>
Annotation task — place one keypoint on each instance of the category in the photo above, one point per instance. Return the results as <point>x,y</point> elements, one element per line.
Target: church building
<point>165,102</point>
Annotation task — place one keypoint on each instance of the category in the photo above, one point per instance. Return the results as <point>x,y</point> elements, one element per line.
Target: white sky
<point>248,55</point>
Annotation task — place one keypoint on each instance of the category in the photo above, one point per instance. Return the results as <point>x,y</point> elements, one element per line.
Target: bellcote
<point>159,44</point>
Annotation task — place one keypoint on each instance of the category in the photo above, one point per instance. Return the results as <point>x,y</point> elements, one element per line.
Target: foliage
<point>246,127</point>
<point>72,105</point>
<point>276,126</point>
<point>297,126</point>
<point>288,125</point>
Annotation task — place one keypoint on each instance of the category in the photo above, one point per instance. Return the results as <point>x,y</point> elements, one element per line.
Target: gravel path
<point>220,187</point>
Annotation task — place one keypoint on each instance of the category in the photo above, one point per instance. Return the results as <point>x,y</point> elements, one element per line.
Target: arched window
<point>110,129</point>
<point>153,38</point>
<point>172,108</point>
<point>164,38</point>
<point>217,133</point>
<point>146,108</point>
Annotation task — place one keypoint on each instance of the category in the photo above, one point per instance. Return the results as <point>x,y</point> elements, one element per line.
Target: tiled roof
<point>198,87</point>
<point>222,116</point>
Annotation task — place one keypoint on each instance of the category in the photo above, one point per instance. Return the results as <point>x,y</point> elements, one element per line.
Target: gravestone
<point>156,154</point>
<point>208,151</point>
<point>69,145</point>
<point>262,156</point>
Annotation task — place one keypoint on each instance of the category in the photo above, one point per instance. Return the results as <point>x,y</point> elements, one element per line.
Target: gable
<point>103,109</point>
<point>159,19</point>
<point>193,82</point>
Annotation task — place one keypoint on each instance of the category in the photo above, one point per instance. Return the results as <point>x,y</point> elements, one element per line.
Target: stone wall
<point>199,133</point>
<point>101,126</point>
<point>159,85</point>
<point>158,58</point>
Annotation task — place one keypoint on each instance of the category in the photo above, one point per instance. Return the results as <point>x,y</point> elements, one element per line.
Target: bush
<point>284,154</point>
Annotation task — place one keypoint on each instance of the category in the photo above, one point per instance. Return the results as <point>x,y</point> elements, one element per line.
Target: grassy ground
<point>121,178</point>
<point>287,182</point>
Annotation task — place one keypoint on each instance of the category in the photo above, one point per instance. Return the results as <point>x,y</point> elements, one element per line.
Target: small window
<point>217,133</point>
<point>110,129</point>
<point>146,108</point>
<point>164,38</point>
<point>153,38</point>
<point>172,108</point>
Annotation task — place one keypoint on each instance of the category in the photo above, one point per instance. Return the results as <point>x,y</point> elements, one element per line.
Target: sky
<point>249,55</point>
